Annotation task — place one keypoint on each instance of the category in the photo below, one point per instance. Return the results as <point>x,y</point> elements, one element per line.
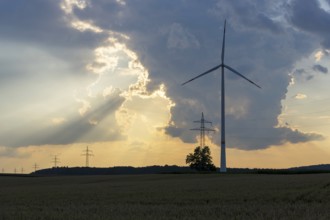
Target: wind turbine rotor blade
<point>236,72</point>
<point>223,43</point>
<point>214,68</point>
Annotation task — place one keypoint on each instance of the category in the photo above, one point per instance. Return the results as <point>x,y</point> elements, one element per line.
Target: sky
<point>108,74</point>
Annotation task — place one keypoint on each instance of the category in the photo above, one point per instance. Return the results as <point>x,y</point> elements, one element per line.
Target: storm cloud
<point>259,45</point>
<point>176,40</point>
<point>320,68</point>
<point>316,23</point>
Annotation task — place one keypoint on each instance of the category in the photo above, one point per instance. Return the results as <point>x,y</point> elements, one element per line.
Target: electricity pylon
<point>87,153</point>
<point>56,161</point>
<point>35,167</point>
<point>202,129</point>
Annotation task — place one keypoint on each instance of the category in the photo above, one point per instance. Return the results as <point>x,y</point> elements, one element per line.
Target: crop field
<point>166,196</point>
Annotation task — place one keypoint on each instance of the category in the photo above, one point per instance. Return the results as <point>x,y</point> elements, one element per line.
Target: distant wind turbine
<point>223,167</point>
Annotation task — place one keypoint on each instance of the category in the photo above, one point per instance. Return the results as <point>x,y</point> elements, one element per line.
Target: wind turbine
<point>223,167</point>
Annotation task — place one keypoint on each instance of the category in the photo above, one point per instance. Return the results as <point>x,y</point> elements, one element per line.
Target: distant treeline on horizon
<point>323,168</point>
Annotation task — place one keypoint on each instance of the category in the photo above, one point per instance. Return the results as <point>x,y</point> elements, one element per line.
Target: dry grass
<point>188,196</point>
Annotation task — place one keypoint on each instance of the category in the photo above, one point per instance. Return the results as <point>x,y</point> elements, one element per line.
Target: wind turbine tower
<point>223,166</point>
<point>202,129</point>
<point>87,153</point>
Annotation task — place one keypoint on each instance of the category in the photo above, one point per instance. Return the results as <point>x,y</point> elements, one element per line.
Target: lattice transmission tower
<point>56,161</point>
<point>202,129</point>
<point>87,153</point>
<point>35,167</point>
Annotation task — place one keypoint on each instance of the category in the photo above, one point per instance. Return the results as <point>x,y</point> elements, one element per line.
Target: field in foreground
<point>166,196</point>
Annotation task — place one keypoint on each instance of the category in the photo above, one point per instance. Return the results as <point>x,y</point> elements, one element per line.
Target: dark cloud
<point>302,74</point>
<point>263,134</point>
<point>308,16</point>
<point>177,40</point>
<point>317,20</point>
<point>252,15</point>
<point>180,40</point>
<point>41,22</point>
<point>307,75</point>
<point>300,71</point>
<point>320,68</point>
<point>183,133</point>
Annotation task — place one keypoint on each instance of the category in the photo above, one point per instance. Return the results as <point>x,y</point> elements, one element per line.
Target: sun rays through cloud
<point>107,74</point>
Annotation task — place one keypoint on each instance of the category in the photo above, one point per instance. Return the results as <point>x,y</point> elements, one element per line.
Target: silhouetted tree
<point>201,159</point>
